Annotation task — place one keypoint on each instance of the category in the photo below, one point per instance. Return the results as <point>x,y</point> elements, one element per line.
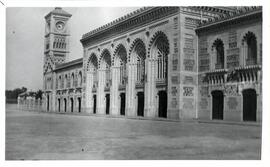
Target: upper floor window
<point>218,47</point>
<point>250,48</point>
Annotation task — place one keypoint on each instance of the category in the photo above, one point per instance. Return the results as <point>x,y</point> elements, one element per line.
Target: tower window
<point>219,50</point>
<point>250,45</point>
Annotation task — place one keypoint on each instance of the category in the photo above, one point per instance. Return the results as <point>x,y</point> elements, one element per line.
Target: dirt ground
<point>47,136</point>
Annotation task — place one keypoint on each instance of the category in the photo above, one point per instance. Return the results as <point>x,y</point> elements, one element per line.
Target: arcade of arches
<point>127,81</point>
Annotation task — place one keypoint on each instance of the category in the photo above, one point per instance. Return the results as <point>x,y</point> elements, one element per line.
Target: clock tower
<point>56,50</point>
<point>56,44</point>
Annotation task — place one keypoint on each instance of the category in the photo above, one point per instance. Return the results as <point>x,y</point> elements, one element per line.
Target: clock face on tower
<point>60,25</point>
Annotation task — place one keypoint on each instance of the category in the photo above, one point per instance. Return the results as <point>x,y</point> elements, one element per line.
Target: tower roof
<point>58,11</point>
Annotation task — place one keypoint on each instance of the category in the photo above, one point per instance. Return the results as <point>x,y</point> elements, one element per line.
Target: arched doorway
<point>217,104</point>
<point>249,105</point>
<point>79,104</point>
<point>122,103</point>
<point>71,104</point>
<point>59,104</point>
<point>107,104</point>
<point>140,109</point>
<point>48,103</point>
<point>95,104</point>
<point>65,102</point>
<point>159,51</point>
<point>136,82</point>
<point>162,106</point>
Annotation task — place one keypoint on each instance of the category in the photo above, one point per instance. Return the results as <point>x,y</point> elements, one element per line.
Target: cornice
<point>69,64</point>
<point>241,14</point>
<point>128,22</point>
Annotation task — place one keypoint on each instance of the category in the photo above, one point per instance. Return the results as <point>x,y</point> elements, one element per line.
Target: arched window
<point>218,46</point>
<point>138,56</point>
<point>105,65</point>
<point>120,61</point>
<point>250,44</point>
<point>80,78</point>
<point>72,80</point>
<point>160,51</point>
<point>60,82</point>
<point>65,81</point>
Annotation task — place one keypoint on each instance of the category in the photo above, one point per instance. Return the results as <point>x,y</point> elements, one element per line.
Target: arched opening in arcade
<point>59,105</point>
<point>137,58</point>
<point>95,104</point>
<point>249,105</point>
<point>217,104</point>
<point>105,67</point>
<point>140,107</point>
<point>65,103</point>
<point>122,103</point>
<point>48,102</point>
<point>92,82</point>
<point>79,104</point>
<point>71,104</point>
<point>120,76</point>
<point>250,45</point>
<point>162,105</point>
<point>107,97</point>
<point>160,54</point>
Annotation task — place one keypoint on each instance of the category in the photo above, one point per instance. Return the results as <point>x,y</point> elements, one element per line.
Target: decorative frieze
<point>232,39</point>
<point>204,64</point>
<point>231,90</point>
<point>188,91</point>
<point>175,23</point>
<point>189,64</point>
<point>191,23</point>
<point>159,24</point>
<point>174,63</point>
<point>204,61</point>
<point>175,79</point>
<point>188,80</point>
<point>233,57</point>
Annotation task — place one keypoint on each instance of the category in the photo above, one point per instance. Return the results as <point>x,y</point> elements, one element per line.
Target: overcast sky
<point>25,29</point>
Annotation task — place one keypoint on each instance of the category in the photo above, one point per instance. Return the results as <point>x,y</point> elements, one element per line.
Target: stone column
<point>89,94</point>
<point>150,92</point>
<point>100,92</point>
<point>114,91</point>
<point>131,68</point>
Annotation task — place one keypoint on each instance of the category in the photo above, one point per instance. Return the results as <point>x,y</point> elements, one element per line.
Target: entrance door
<point>48,103</point>
<point>79,101</point>
<point>95,104</point>
<point>58,105</point>
<point>140,104</point>
<point>162,105</point>
<point>123,100</point>
<point>71,102</point>
<point>65,101</point>
<point>217,105</point>
<point>249,105</point>
<point>107,104</point>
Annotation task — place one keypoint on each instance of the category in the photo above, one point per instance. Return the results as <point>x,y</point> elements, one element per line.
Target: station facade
<point>159,62</point>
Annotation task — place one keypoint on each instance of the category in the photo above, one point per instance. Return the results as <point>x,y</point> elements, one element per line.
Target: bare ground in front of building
<point>34,135</point>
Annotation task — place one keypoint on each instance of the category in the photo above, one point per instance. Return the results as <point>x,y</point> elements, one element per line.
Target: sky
<point>25,28</point>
